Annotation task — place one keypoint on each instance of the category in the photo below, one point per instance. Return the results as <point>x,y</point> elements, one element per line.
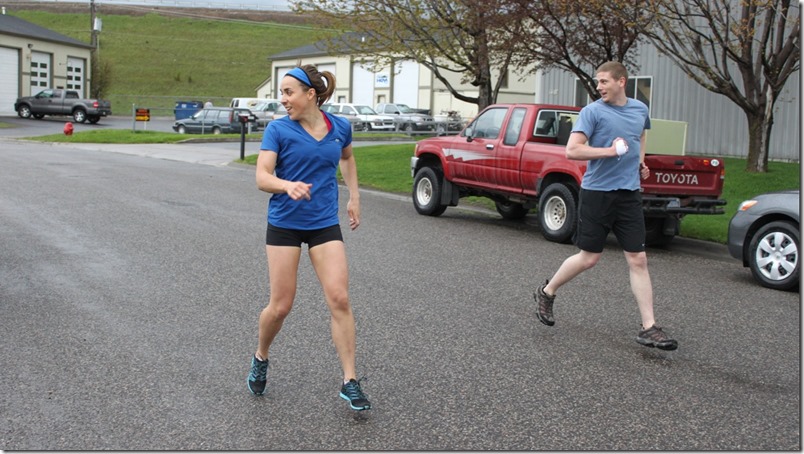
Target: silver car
<point>765,235</point>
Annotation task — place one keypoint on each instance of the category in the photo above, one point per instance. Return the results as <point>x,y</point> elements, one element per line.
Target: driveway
<point>130,289</point>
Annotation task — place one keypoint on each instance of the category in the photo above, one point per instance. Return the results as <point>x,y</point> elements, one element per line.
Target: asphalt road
<point>130,288</point>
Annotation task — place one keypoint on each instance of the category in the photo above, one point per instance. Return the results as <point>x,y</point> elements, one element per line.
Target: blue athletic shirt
<point>602,123</point>
<point>302,158</point>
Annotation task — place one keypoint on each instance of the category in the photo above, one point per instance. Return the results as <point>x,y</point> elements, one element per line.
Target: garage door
<point>406,83</point>
<point>363,90</point>
<point>9,79</point>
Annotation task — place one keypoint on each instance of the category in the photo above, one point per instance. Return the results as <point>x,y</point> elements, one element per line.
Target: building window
<point>638,87</point>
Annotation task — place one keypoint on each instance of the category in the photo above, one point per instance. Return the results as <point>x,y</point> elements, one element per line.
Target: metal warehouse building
<point>715,125</point>
<point>33,58</point>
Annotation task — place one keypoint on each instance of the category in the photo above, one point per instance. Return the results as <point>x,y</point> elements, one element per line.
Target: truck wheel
<point>427,192</point>
<point>24,111</point>
<point>558,213</point>
<point>39,116</point>
<point>773,256</point>
<point>654,233</point>
<point>511,210</point>
<point>79,116</point>
<point>93,120</point>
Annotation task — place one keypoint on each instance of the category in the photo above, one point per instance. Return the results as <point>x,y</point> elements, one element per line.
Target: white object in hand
<point>621,147</point>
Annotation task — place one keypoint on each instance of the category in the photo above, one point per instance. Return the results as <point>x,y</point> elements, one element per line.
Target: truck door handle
<point>489,146</point>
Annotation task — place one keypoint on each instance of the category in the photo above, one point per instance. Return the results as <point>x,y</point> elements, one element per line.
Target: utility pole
<point>94,38</point>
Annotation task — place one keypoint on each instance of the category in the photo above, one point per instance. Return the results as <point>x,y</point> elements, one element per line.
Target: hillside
<point>161,55</point>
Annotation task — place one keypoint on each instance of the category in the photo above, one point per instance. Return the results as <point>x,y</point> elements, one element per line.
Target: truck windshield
<point>365,110</point>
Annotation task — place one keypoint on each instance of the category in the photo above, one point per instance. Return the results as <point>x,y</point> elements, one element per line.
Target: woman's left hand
<point>353,209</point>
<point>644,171</point>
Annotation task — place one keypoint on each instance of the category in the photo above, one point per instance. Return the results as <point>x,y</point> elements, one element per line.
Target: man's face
<point>609,88</point>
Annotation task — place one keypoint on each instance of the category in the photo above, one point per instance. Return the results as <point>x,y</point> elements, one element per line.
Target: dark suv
<point>214,120</point>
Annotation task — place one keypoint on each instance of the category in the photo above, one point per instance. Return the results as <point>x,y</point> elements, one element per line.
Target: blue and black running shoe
<point>352,393</point>
<point>256,378</point>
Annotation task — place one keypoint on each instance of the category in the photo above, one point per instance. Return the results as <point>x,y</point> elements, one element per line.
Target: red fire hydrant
<point>68,129</point>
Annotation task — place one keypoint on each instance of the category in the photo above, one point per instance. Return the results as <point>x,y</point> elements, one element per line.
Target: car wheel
<point>441,129</point>
<point>511,210</point>
<point>79,116</point>
<point>773,255</point>
<point>427,192</point>
<point>39,116</point>
<point>181,129</point>
<point>24,112</point>
<point>558,213</point>
<point>216,130</point>
<point>408,127</point>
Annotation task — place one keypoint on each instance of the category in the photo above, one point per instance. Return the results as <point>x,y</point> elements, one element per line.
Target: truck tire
<point>654,233</point>
<point>93,119</point>
<point>427,192</point>
<point>774,255</point>
<point>511,210</point>
<point>79,115</point>
<point>558,213</point>
<point>39,116</point>
<point>24,111</point>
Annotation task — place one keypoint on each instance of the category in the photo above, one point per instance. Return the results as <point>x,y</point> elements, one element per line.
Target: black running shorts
<point>277,236</point>
<point>601,212</point>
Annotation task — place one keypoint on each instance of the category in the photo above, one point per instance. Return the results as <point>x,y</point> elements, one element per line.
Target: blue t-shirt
<point>300,157</point>
<point>602,123</point>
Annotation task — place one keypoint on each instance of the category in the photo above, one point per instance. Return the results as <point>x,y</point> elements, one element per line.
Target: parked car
<point>279,113</point>
<point>408,119</point>
<point>764,234</point>
<point>214,120</point>
<point>264,110</point>
<point>362,116</point>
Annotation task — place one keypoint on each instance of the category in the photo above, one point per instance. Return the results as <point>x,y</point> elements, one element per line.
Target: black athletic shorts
<point>601,212</point>
<point>277,236</point>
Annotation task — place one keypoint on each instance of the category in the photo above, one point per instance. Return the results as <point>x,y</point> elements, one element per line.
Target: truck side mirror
<point>469,134</point>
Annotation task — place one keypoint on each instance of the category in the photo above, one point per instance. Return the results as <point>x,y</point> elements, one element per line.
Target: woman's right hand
<point>298,190</point>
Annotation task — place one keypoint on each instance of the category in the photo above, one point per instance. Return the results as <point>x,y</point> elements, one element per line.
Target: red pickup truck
<point>515,155</point>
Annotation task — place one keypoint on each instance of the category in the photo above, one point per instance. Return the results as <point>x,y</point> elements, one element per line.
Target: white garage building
<point>33,58</point>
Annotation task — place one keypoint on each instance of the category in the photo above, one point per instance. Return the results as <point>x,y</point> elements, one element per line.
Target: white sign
<point>382,80</point>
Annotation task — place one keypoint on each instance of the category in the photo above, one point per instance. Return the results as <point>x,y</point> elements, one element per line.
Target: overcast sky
<point>281,5</point>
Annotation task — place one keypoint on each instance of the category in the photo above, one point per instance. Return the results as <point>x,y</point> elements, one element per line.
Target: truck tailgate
<point>684,175</point>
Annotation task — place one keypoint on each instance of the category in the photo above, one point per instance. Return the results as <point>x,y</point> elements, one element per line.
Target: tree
<point>577,36</point>
<point>744,50</point>
<point>447,37</point>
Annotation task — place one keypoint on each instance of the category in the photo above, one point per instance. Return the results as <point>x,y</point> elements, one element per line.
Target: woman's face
<point>295,98</point>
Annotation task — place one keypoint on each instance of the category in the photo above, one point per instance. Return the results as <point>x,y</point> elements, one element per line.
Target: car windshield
<point>365,110</point>
<point>404,108</point>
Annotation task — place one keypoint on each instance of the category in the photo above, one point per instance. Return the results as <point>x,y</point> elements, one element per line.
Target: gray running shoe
<point>655,337</point>
<point>545,310</point>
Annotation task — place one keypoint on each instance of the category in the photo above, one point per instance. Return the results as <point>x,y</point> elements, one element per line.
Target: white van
<point>247,102</point>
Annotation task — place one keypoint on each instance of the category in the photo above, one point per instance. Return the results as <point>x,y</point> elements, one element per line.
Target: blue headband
<point>300,75</point>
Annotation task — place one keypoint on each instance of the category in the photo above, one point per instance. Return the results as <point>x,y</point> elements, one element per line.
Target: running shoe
<point>352,393</point>
<point>256,378</point>
<point>655,337</point>
<point>545,310</point>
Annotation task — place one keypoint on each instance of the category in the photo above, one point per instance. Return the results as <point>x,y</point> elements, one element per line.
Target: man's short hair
<point>615,68</point>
